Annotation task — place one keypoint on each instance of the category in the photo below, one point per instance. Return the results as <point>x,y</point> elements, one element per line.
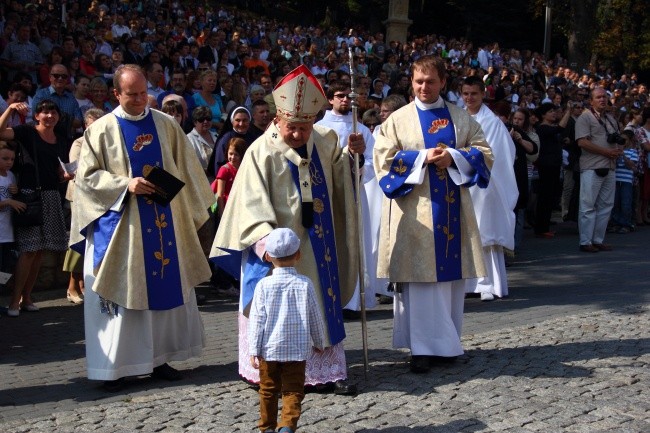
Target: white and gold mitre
<point>299,96</point>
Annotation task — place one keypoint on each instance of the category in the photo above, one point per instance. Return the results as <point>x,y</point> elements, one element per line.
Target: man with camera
<point>598,136</point>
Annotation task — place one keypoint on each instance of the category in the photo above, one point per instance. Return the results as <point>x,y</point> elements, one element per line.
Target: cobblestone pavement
<point>568,351</point>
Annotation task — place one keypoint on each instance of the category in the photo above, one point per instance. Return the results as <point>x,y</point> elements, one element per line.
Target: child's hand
<point>13,189</point>
<point>317,350</point>
<point>18,206</point>
<point>255,362</point>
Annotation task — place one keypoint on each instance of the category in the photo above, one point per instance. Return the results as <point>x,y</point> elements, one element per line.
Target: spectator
<point>42,150</point>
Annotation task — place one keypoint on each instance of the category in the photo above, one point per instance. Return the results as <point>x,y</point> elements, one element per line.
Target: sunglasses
<point>342,95</point>
<point>59,76</point>
<point>204,119</point>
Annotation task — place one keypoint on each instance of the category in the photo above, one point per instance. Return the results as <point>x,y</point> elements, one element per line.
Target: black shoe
<point>442,359</point>
<point>342,387</point>
<point>320,388</point>
<point>166,372</point>
<point>114,385</point>
<point>351,314</point>
<point>419,364</point>
<point>384,300</point>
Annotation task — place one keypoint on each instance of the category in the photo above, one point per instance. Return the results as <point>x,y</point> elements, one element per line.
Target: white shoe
<point>13,313</point>
<point>486,296</point>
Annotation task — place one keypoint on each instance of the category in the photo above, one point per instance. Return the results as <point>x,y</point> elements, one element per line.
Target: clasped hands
<point>439,156</point>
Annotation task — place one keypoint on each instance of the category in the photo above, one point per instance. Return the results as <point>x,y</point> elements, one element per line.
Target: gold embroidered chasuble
<point>264,197</point>
<point>103,175</point>
<point>406,241</point>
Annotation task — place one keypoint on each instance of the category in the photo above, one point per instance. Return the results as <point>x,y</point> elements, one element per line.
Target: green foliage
<point>620,29</point>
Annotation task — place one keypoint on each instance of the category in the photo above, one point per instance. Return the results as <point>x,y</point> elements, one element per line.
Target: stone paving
<point>568,351</point>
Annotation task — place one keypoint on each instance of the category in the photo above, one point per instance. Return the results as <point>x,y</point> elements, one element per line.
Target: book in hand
<point>167,185</point>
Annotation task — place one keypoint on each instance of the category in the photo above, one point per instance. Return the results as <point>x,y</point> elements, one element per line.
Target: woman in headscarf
<point>236,125</point>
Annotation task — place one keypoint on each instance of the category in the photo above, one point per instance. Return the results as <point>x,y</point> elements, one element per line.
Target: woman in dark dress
<point>40,147</point>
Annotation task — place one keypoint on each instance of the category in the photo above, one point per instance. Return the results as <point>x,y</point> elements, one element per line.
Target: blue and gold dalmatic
<point>438,131</point>
<point>157,224</point>
<point>323,244</point>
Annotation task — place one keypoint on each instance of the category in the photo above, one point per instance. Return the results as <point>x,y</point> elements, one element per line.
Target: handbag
<point>33,214</point>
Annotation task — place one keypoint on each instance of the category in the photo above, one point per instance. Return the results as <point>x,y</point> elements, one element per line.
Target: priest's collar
<point>119,111</point>
<point>424,106</point>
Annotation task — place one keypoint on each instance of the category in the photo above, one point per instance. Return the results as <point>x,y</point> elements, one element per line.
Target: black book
<point>167,185</point>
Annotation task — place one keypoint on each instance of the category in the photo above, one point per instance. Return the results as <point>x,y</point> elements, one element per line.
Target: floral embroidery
<point>141,141</point>
<point>437,125</point>
<point>450,197</point>
<point>400,168</point>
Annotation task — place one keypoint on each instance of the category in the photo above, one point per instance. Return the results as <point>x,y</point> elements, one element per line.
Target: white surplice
<point>494,206</point>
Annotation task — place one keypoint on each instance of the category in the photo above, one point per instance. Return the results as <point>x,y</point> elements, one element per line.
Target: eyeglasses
<point>342,95</point>
<point>59,76</point>
<point>204,119</point>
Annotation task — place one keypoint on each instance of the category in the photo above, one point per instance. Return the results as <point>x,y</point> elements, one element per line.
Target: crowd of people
<point>247,97</point>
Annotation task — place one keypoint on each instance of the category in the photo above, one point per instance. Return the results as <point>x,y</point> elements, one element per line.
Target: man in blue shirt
<point>71,117</point>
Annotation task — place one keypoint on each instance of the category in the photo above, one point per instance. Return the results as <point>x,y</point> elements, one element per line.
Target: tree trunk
<point>581,32</point>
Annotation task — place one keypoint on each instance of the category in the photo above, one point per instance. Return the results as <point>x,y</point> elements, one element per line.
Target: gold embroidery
<point>316,177</point>
<point>319,207</point>
<point>401,168</point>
<point>450,197</point>
<point>161,224</point>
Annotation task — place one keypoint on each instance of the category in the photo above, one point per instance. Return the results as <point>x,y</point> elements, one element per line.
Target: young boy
<point>283,316</point>
<point>624,196</point>
<point>7,189</point>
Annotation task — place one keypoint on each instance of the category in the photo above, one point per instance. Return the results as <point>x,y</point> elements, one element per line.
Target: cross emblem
<point>305,184</point>
<point>275,135</point>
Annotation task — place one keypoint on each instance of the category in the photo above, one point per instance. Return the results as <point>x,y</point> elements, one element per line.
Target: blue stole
<point>438,131</point>
<point>156,223</point>
<point>321,236</point>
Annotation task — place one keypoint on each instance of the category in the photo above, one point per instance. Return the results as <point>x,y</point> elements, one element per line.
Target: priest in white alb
<point>339,118</point>
<point>426,156</point>
<point>142,259</point>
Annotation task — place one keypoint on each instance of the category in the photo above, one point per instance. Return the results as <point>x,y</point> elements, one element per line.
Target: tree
<point>614,32</point>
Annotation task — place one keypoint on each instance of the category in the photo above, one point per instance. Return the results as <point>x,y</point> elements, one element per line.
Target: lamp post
<point>547,29</point>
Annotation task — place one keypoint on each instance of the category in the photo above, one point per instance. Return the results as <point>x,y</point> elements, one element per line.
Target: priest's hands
<point>356,144</point>
<point>440,157</point>
<point>139,185</point>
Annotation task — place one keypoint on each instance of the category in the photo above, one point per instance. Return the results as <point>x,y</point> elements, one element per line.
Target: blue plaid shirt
<point>67,102</point>
<point>284,315</point>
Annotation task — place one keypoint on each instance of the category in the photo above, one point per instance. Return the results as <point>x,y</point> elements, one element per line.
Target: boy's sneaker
<point>622,230</point>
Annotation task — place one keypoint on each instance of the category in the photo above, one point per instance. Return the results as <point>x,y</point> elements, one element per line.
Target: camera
<point>615,138</point>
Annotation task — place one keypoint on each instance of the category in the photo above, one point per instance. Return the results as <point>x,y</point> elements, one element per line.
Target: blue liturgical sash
<point>156,222</point>
<point>438,131</point>
<point>321,236</point>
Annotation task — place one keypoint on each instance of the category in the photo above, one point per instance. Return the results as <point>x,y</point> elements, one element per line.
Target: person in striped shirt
<point>623,199</point>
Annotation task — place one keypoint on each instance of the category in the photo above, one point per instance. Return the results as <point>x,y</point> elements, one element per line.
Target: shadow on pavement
<point>546,361</point>
<point>464,425</point>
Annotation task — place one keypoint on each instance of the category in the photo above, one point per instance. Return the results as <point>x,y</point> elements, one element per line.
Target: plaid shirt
<point>67,102</point>
<point>284,314</point>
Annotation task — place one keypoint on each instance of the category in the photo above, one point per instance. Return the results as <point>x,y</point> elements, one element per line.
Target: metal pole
<point>548,27</point>
<point>357,185</point>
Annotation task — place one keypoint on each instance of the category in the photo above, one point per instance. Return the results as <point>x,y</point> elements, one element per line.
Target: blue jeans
<point>622,212</point>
